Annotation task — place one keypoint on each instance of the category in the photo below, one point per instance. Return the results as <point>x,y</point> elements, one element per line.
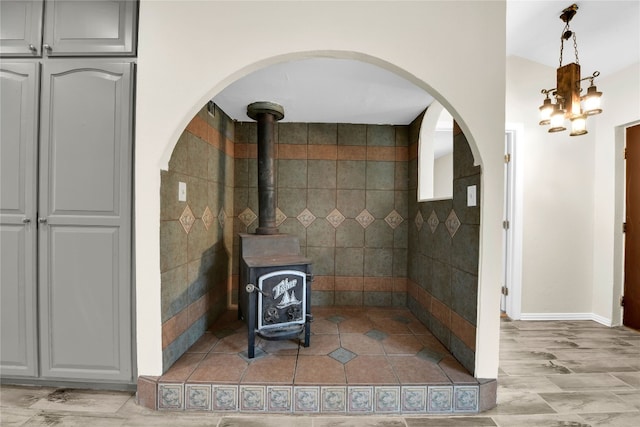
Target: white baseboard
<point>566,316</point>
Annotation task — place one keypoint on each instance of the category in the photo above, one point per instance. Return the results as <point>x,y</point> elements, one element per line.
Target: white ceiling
<point>325,90</point>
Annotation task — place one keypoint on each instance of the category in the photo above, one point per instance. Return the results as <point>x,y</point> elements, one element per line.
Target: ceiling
<point>326,90</point>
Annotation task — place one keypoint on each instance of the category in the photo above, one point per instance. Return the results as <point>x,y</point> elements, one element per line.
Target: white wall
<point>557,193</point>
<point>621,106</point>
<point>190,50</point>
<point>569,192</point>
<point>443,176</point>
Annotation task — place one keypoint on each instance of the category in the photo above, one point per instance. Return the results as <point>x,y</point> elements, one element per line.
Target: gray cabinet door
<point>20,27</point>
<point>85,220</point>
<point>89,28</point>
<point>18,150</point>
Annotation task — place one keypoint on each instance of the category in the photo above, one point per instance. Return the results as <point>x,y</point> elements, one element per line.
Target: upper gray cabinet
<point>68,28</point>
<point>21,28</point>
<point>85,28</point>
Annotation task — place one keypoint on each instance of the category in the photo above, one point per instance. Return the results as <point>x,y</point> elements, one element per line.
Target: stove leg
<point>307,330</point>
<point>251,325</point>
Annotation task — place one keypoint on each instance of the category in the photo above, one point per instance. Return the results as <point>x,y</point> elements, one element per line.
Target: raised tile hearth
<point>361,360</point>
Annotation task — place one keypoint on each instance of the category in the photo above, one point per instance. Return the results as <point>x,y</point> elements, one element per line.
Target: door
<point>20,27</point>
<point>85,220</point>
<point>631,311</point>
<point>84,28</point>
<point>18,162</point>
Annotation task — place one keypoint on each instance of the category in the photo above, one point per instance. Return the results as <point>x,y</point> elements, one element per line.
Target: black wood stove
<point>274,288</point>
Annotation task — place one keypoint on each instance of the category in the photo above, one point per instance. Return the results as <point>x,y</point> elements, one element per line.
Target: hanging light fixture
<point>567,97</point>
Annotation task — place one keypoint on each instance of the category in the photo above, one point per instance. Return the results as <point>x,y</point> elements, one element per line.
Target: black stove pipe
<point>266,114</point>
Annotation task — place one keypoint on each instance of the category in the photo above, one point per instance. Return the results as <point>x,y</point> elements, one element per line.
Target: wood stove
<point>274,296</point>
<point>274,289</point>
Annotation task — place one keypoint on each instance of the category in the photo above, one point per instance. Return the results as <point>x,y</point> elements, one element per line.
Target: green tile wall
<point>195,265</point>
<point>351,168</point>
<point>443,270</point>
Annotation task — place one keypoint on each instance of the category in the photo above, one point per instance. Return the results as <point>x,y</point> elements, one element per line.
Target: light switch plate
<point>182,191</point>
<point>471,196</point>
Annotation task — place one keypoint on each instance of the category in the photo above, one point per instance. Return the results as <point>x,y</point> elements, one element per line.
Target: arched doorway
<point>164,110</point>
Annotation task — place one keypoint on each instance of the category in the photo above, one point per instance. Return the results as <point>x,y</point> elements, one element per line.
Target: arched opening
<point>391,273</point>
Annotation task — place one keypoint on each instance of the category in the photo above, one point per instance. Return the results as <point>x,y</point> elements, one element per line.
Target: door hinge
<point>625,153</point>
<point>624,227</point>
<point>505,291</point>
<point>506,224</point>
<point>622,301</point>
<point>507,158</point>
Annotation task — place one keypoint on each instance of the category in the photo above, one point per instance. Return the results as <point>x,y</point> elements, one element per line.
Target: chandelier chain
<point>564,37</point>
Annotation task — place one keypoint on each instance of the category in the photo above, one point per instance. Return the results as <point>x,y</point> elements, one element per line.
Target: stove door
<point>282,300</point>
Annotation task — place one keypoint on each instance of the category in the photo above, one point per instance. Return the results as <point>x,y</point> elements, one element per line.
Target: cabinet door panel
<point>85,192</point>
<point>20,27</point>
<point>87,308</point>
<point>18,121</point>
<point>97,27</point>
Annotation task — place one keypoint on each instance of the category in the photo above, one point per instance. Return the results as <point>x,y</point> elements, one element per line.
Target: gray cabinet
<point>18,145</point>
<point>20,27</point>
<point>68,27</point>
<point>83,224</point>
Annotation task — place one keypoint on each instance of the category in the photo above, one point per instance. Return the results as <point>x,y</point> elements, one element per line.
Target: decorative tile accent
<point>433,221</point>
<point>279,398</point>
<point>225,398</point>
<point>306,399</point>
<point>365,219</point>
<point>252,398</point>
<point>187,219</point>
<point>334,399</point>
<point>419,221</point>
<point>414,399</point>
<point>247,217</point>
<point>258,353</point>
<point>430,355</point>
<point>360,399</point>
<point>342,355</point>
<point>222,217</point>
<point>376,334</point>
<point>440,399</point>
<point>198,397</point>
<point>387,399</point>
<point>394,219</point>
<point>207,217</point>
<point>306,218</point>
<point>170,396</point>
<point>401,319</point>
<point>335,218</point>
<point>465,398</point>
<point>452,223</point>
<point>335,319</point>
<point>280,217</point>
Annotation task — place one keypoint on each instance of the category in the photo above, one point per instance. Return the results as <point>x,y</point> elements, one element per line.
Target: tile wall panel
<point>343,191</point>
<point>442,261</point>
<point>194,256</point>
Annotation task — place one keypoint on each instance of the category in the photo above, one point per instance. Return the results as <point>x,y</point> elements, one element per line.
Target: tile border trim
<point>326,399</point>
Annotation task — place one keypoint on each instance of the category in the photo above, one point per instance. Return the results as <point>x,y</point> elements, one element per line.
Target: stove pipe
<point>266,114</point>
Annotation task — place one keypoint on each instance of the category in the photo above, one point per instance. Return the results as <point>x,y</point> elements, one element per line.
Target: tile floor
<point>361,360</point>
<point>558,373</point>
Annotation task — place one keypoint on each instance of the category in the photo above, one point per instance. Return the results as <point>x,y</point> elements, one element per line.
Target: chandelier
<point>567,103</point>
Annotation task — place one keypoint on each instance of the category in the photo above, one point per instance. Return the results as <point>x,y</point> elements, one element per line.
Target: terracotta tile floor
<point>349,346</point>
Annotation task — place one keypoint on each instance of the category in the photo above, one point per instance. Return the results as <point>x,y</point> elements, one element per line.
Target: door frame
<point>512,242</point>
